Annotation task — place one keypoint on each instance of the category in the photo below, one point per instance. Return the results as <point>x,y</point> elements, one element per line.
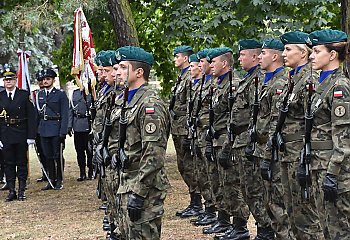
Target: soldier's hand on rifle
<point>30,141</point>
<point>135,206</point>
<point>186,144</point>
<point>330,188</point>
<point>209,151</point>
<point>62,138</point>
<point>224,158</point>
<point>70,131</point>
<point>265,170</point>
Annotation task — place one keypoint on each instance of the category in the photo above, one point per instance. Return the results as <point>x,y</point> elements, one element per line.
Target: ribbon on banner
<point>23,71</point>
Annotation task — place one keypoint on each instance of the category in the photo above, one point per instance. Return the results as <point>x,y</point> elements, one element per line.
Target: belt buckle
<point>12,121</point>
<point>45,117</point>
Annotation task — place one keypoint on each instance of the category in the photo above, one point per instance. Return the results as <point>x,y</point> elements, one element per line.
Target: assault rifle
<point>123,121</point>
<point>173,99</point>
<point>231,127</point>
<point>305,154</point>
<point>211,131</point>
<point>249,150</point>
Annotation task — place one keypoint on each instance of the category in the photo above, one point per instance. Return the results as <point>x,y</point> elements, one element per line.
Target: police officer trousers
<point>51,148</point>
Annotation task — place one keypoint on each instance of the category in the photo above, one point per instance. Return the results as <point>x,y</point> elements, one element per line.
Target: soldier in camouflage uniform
<point>204,184</point>
<point>303,215</point>
<point>179,128</point>
<point>251,181</point>
<point>143,182</point>
<point>194,87</point>
<point>330,134</point>
<point>275,80</point>
<point>105,94</point>
<point>229,199</point>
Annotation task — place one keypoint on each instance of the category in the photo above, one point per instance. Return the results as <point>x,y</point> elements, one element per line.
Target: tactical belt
<point>293,137</point>
<point>46,118</point>
<point>78,115</point>
<point>322,145</point>
<point>14,120</point>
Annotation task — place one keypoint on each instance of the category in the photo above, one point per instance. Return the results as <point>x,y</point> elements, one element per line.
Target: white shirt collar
<point>12,92</point>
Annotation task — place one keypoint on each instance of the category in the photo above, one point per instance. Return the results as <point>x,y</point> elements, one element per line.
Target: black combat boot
<point>265,233</point>
<point>221,225</point>
<point>240,232</point>
<point>21,190</point>
<point>208,217</point>
<point>189,207</point>
<point>106,225</point>
<point>12,191</point>
<point>197,207</point>
<point>90,173</point>
<point>82,174</point>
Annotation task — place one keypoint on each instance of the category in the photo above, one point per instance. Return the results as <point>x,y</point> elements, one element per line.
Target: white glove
<point>1,145</point>
<point>30,141</point>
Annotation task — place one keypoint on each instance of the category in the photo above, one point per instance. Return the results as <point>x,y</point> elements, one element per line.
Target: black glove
<point>115,162</point>
<point>135,206</point>
<point>62,138</point>
<point>186,144</point>
<point>98,159</point>
<point>208,152</point>
<point>224,158</point>
<point>330,188</point>
<point>265,170</point>
<point>70,132</point>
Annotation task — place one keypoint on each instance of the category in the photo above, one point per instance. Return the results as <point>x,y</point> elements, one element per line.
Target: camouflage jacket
<point>269,99</point>
<point>146,143</point>
<point>179,126</point>
<point>203,115</point>
<point>294,126</point>
<point>242,108</point>
<point>221,108</point>
<point>331,105</point>
<point>192,99</point>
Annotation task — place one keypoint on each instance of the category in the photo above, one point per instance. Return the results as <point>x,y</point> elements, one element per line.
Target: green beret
<point>193,58</point>
<point>203,53</point>
<point>181,49</point>
<point>294,37</point>
<point>273,44</point>
<point>215,52</point>
<point>108,58</point>
<point>131,53</point>
<point>325,36</point>
<point>248,44</point>
<point>98,57</point>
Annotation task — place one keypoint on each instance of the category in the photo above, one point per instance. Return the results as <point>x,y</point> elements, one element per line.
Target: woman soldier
<point>330,137</point>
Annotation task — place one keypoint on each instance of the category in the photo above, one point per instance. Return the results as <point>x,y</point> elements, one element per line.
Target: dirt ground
<point>72,213</point>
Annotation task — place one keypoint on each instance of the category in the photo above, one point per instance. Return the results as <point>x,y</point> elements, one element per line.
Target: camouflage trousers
<point>276,207</point>
<point>150,223</point>
<point>111,188</point>
<point>317,177</point>
<point>185,164</point>
<point>204,169</point>
<point>229,197</point>
<point>338,217</point>
<point>252,187</point>
<point>303,214</point>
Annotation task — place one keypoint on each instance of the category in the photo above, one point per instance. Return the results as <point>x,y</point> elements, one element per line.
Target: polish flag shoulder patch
<point>338,93</point>
<point>279,91</point>
<point>149,110</point>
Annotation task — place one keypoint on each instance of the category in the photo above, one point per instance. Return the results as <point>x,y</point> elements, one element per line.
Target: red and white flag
<point>23,72</point>
<point>83,53</point>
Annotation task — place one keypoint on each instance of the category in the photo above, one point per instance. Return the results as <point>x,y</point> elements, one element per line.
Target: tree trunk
<point>345,23</point>
<point>123,22</point>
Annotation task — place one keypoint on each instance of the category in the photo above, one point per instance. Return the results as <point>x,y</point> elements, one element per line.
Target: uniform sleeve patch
<point>149,110</point>
<point>339,111</point>
<point>338,93</point>
<point>150,128</point>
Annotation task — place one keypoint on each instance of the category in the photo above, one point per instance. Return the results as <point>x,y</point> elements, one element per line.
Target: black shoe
<point>113,236</point>
<point>240,232</point>
<point>21,196</point>
<point>81,178</point>
<point>103,206</point>
<point>192,212</point>
<point>5,187</point>
<point>106,227</point>
<point>42,179</point>
<point>180,212</point>
<point>208,219</point>
<point>59,185</point>
<point>219,227</point>
<point>199,217</point>
<point>47,187</point>
<point>222,236</point>
<point>12,196</point>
